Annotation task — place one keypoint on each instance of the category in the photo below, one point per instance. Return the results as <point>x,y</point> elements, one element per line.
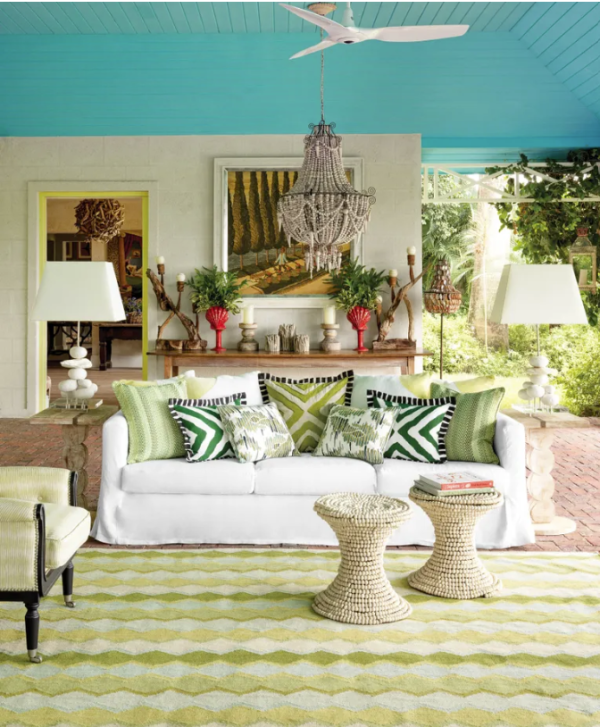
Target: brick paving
<point>577,474</point>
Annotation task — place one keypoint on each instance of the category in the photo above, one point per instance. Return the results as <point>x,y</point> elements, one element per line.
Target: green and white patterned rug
<point>227,637</point>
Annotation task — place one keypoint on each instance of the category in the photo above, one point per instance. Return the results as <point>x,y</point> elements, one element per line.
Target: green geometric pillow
<point>153,434</point>
<point>419,429</point>
<point>470,436</point>
<point>305,403</point>
<point>202,428</point>
<point>256,432</point>
<point>356,433</point>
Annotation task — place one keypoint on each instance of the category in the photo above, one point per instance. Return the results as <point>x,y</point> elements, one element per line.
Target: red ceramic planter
<point>217,317</point>
<point>359,317</point>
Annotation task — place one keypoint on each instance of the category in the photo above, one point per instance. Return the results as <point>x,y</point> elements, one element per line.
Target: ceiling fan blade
<point>311,17</point>
<point>313,49</point>
<point>415,33</point>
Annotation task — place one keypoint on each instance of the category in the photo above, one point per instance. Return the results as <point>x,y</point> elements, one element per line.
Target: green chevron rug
<point>227,637</point>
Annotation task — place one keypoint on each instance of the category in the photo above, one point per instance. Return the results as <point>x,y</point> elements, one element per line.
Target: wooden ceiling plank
<point>136,19</point>
<point>86,10</point>
<point>192,15</point>
<point>540,35</point>
<point>209,19</point>
<point>504,11</point>
<point>104,17</point>
<point>531,17</point>
<point>178,18</point>
<point>25,18</point>
<point>518,11</point>
<point>49,18</point>
<point>488,13</point>
<point>431,10</point>
<point>370,15</point>
<point>252,20</point>
<point>265,14</point>
<point>120,18</point>
<point>569,30</point>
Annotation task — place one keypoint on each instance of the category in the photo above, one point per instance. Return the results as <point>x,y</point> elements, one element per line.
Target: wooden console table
<point>539,433</point>
<point>75,425</point>
<point>108,332</point>
<point>314,359</point>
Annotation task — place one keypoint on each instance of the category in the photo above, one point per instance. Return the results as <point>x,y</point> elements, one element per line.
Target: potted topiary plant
<point>133,309</point>
<point>216,292</point>
<point>356,292</point>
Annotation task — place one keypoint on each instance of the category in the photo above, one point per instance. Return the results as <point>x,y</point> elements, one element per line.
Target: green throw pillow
<point>420,426</point>
<point>153,434</point>
<point>202,428</point>
<point>471,432</point>
<point>256,432</point>
<point>356,433</point>
<point>305,403</point>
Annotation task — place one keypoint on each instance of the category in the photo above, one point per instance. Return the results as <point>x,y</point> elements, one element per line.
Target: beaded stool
<point>454,569</point>
<point>361,592</point>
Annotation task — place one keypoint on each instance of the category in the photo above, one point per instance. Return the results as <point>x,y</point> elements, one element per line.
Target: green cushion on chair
<point>67,529</point>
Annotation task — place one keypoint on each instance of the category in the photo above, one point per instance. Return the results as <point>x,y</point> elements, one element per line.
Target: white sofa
<point>271,502</point>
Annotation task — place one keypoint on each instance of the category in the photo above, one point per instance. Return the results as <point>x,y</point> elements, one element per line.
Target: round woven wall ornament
<point>99,219</point>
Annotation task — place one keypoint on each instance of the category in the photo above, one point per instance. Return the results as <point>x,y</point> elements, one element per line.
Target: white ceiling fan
<point>348,33</point>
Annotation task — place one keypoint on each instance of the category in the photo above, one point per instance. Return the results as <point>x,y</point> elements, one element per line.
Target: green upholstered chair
<point>41,529</point>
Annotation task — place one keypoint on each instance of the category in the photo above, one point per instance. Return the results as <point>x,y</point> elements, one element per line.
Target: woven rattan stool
<point>361,592</point>
<point>454,569</point>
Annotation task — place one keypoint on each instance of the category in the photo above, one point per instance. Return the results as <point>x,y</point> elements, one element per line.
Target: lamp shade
<point>536,294</point>
<point>78,291</point>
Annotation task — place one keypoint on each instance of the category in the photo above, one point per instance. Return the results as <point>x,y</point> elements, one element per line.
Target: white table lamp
<point>532,295</point>
<point>81,291</point>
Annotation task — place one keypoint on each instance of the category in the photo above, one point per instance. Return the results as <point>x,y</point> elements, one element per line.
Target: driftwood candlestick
<point>194,341</point>
<point>386,320</point>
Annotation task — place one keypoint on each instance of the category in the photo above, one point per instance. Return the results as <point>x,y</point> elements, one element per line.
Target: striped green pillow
<point>305,403</point>
<point>470,436</point>
<point>153,434</point>
<point>201,426</point>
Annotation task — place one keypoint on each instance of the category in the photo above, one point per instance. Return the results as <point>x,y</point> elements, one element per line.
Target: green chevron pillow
<point>356,433</point>
<point>256,432</point>
<point>152,432</point>
<point>470,436</point>
<point>420,426</point>
<point>305,403</point>
<point>203,433</point>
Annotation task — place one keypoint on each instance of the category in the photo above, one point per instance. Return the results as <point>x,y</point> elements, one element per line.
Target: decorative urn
<point>217,318</point>
<point>359,317</point>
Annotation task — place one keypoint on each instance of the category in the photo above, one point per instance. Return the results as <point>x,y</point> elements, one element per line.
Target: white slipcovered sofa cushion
<point>179,477</point>
<point>395,477</point>
<point>309,475</point>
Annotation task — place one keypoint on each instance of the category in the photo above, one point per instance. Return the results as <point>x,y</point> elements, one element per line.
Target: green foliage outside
<point>573,350</point>
<point>356,285</point>
<point>213,287</point>
<point>546,228</point>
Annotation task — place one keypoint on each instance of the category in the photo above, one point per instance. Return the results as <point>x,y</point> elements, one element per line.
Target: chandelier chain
<point>322,81</point>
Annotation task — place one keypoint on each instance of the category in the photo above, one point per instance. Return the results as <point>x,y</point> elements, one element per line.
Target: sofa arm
<point>38,484</point>
<point>115,448</point>
<point>19,535</point>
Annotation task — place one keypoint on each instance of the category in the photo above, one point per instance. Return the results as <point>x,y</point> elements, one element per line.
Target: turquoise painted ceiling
<point>525,76</point>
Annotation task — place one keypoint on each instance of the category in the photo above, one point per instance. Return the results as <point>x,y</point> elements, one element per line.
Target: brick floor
<point>577,474</point>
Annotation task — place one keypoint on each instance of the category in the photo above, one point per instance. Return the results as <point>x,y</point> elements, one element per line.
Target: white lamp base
<point>77,389</point>
<point>557,526</point>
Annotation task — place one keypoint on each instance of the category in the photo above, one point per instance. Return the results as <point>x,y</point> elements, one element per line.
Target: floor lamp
<point>78,291</point>
<point>534,295</point>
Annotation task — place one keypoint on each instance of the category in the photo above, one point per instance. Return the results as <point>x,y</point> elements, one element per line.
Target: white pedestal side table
<point>539,433</point>
<point>361,592</point>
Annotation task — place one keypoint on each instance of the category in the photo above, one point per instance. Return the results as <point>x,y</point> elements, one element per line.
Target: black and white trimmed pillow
<point>420,426</point>
<point>204,437</point>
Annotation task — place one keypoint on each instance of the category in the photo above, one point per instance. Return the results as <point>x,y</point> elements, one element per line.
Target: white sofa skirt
<point>271,503</point>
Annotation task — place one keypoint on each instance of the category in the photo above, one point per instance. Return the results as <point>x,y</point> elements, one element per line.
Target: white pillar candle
<point>248,314</point>
<point>393,273</point>
<point>181,277</point>
<point>412,250</point>
<point>160,260</point>
<point>329,315</point>
<point>583,277</point>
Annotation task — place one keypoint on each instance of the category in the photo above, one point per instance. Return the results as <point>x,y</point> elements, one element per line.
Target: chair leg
<point>67,583</point>
<point>32,630</point>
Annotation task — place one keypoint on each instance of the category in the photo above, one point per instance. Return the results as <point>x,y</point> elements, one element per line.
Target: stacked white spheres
<point>550,400</point>
<point>539,362</point>
<point>524,394</point>
<point>84,384</point>
<point>78,352</point>
<point>67,386</point>
<point>549,389</point>
<point>535,392</point>
<point>539,379</point>
<point>77,374</point>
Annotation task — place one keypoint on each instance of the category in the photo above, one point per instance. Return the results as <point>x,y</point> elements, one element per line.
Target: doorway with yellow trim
<point>61,241</point>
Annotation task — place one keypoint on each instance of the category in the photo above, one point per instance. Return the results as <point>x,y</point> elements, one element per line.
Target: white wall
<point>183,168</point>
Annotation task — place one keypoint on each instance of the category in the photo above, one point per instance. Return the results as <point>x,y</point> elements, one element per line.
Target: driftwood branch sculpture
<point>194,342</point>
<point>386,320</point>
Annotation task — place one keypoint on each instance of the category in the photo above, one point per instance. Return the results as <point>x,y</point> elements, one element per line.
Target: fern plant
<point>212,287</point>
<point>355,285</point>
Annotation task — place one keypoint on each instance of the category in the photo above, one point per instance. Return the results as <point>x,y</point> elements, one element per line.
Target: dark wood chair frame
<point>45,580</point>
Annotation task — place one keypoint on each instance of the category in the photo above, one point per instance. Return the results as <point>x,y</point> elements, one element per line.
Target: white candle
<point>160,260</point>
<point>412,250</point>
<point>393,273</point>
<point>379,300</point>
<point>248,314</point>
<point>583,277</point>
<point>329,315</point>
<point>181,277</point>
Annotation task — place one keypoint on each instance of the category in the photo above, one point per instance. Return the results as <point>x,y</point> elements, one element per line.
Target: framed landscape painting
<point>249,242</point>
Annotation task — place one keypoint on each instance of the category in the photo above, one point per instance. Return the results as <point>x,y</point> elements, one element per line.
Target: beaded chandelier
<point>323,210</point>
